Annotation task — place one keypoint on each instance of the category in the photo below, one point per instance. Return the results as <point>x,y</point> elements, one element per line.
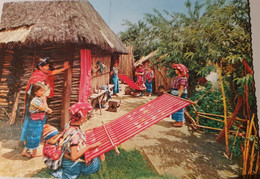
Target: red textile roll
<point>129,82</point>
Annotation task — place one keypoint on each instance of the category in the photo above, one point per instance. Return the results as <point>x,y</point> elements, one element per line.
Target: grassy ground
<point>128,165</point>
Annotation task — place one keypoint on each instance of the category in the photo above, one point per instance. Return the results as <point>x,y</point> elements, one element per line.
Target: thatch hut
<point>59,30</point>
<point>159,72</point>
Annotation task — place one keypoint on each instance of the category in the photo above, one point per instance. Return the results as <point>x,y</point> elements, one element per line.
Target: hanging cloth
<point>85,86</point>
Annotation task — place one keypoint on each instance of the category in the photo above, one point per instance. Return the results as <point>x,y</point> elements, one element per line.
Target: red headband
<point>183,69</point>
<point>79,109</point>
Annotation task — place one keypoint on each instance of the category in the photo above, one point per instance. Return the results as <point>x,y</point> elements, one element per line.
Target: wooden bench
<point>99,97</point>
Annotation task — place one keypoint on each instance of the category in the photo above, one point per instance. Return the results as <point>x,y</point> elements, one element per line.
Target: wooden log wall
<point>126,63</point>
<point>6,58</point>
<point>99,79</point>
<point>162,79</point>
<point>58,56</point>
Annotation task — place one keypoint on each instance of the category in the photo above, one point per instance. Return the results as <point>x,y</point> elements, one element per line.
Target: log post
<point>67,89</point>
<point>14,109</point>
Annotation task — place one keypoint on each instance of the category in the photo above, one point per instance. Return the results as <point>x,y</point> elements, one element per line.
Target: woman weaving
<point>74,162</point>
<point>179,88</point>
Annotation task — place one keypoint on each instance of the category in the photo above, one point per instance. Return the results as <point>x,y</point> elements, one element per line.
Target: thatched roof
<point>39,23</point>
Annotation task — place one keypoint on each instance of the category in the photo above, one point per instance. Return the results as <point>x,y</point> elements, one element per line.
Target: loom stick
<point>116,149</point>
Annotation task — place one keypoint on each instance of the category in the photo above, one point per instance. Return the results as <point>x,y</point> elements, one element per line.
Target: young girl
<point>36,119</point>
<point>149,81</point>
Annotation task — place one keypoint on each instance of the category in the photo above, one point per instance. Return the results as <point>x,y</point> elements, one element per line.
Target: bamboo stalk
<point>193,125</point>
<point>244,151</point>
<point>213,128</point>
<point>221,116</point>
<point>252,159</point>
<point>255,130</point>
<point>248,135</point>
<point>210,118</point>
<point>225,108</point>
<point>257,164</point>
<point>196,112</point>
<point>233,147</point>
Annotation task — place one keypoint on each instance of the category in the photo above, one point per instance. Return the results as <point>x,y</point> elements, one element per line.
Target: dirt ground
<point>174,151</point>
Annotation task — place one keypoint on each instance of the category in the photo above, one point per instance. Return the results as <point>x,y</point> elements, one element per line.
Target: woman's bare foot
<point>26,154</point>
<point>102,157</point>
<point>36,155</point>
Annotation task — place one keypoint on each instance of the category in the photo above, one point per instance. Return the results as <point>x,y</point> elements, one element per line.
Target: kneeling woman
<point>72,167</point>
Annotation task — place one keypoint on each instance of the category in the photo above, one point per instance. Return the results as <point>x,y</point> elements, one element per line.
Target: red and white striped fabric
<point>125,127</point>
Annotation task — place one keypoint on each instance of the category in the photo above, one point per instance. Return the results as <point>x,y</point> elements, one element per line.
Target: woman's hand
<point>66,65</point>
<point>49,110</point>
<point>181,90</point>
<point>95,145</point>
<point>75,154</point>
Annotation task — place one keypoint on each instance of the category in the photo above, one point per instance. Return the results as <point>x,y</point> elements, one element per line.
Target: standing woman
<point>41,75</point>
<point>149,80</point>
<point>114,77</point>
<point>71,166</point>
<point>179,88</point>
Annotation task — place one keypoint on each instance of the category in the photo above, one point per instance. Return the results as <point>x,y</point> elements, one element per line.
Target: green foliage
<point>236,149</point>
<point>246,80</point>
<point>211,103</point>
<point>128,165</point>
<point>211,31</point>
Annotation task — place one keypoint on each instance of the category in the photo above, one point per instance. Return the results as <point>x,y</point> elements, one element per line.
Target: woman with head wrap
<point>179,88</point>
<point>114,78</point>
<point>46,77</point>
<point>72,167</point>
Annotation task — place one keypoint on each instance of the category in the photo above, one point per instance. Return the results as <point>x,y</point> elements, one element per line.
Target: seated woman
<point>140,83</point>
<point>72,167</point>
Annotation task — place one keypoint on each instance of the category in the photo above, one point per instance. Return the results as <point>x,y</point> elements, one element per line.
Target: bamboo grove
<point>214,35</point>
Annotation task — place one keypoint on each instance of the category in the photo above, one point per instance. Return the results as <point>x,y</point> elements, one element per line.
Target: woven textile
<point>125,127</point>
<point>129,82</point>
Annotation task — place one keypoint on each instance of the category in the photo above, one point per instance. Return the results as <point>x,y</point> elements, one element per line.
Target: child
<point>149,81</point>
<point>37,118</point>
<point>52,142</point>
<point>141,85</point>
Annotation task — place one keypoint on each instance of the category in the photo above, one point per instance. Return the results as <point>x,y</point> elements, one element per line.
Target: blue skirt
<point>115,81</point>
<point>149,86</point>
<point>32,132</point>
<point>179,115</point>
<point>72,170</point>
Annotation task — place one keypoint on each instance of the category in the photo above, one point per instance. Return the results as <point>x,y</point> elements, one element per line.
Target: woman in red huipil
<point>41,75</point>
<point>179,88</point>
